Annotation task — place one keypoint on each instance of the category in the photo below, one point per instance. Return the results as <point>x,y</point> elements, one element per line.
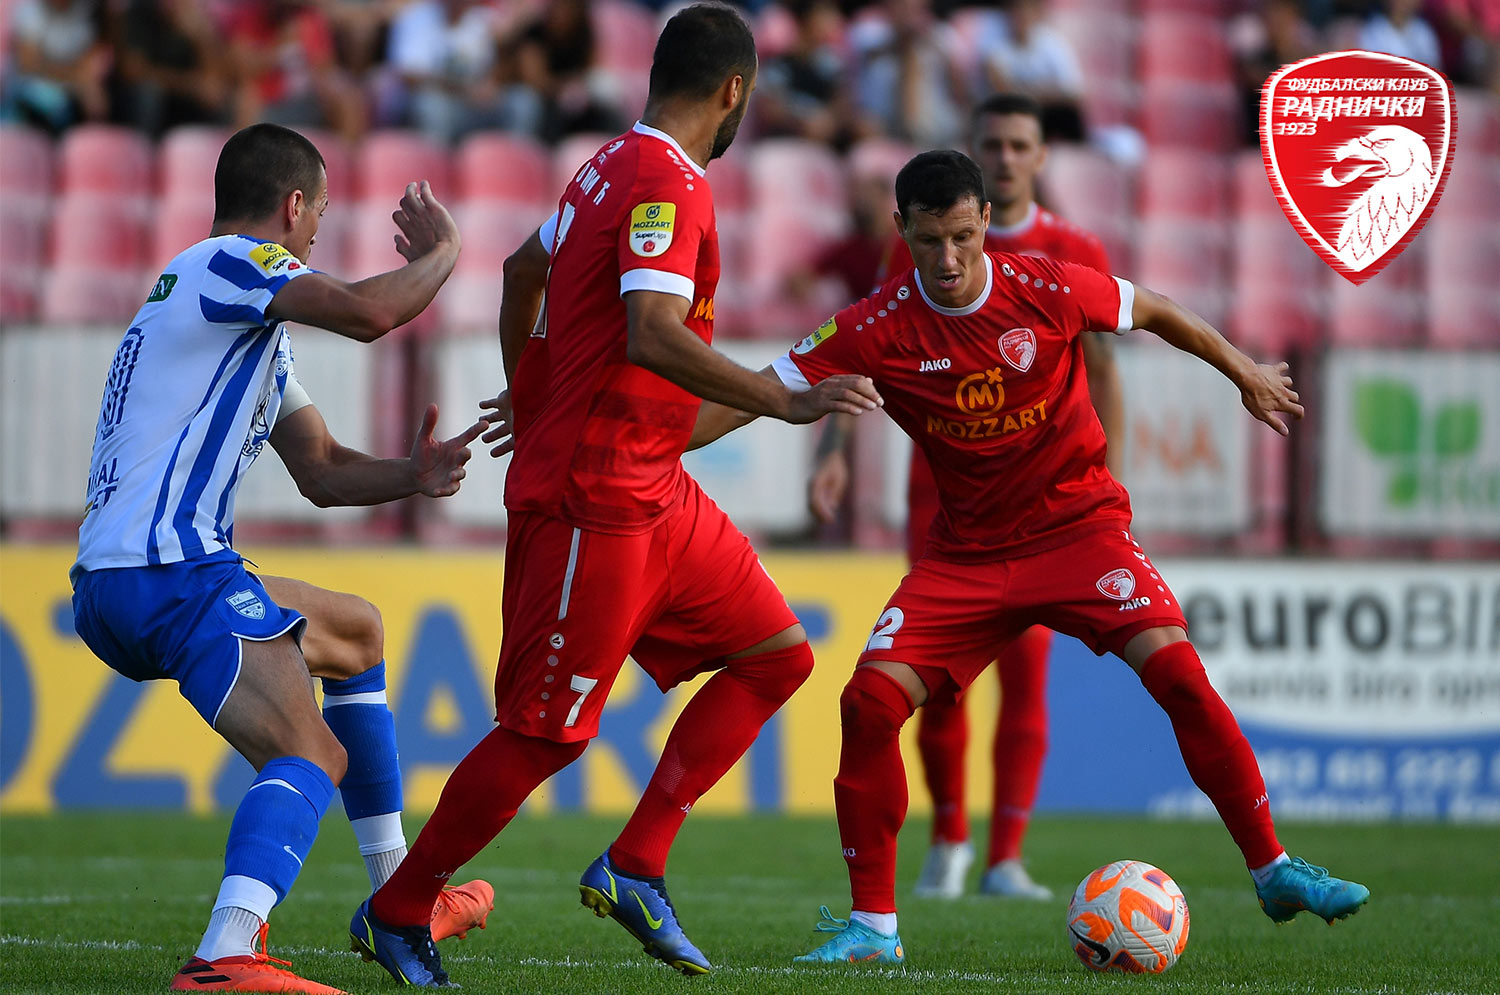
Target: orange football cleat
<point>256,973</point>
<point>461,908</point>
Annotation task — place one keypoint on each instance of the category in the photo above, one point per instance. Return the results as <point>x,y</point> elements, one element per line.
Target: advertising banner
<point>1411,444</point>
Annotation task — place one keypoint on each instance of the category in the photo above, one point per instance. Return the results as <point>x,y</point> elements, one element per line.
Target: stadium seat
<point>492,231</point>
<point>176,223</point>
<point>1376,313</point>
<point>1478,122</point>
<point>1463,293</point>
<point>1253,196</point>
<point>23,234</point>
<point>568,156</point>
<point>1278,287</point>
<point>368,241</point>
<point>18,295</point>
<point>102,158</point>
<point>790,173</point>
<point>468,302</point>
<point>1202,115</point>
<point>1186,261</point>
<point>629,33</point>
<point>26,166</point>
<point>497,166</point>
<point>1473,187</point>
<point>338,161</point>
<point>1104,41</point>
<point>388,160</point>
<point>1184,47</point>
<point>1184,183</point>
<point>1083,185</point>
<point>730,182</point>
<point>93,231</point>
<point>186,159</point>
<point>83,296</point>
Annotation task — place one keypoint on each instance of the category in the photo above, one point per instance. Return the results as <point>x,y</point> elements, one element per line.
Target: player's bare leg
<point>270,717</point>
<point>1223,766</point>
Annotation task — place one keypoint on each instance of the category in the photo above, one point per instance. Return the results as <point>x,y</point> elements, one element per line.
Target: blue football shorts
<point>180,621</point>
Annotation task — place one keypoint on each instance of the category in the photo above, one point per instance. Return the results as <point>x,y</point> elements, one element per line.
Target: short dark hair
<point>701,47</point>
<point>259,167</point>
<point>1005,103</point>
<point>935,181</point>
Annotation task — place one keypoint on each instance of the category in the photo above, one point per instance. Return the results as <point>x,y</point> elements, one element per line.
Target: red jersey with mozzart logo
<point>599,440</point>
<point>994,395</point>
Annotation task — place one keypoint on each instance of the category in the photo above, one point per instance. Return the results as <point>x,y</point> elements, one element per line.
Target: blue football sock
<point>276,823</point>
<point>356,711</point>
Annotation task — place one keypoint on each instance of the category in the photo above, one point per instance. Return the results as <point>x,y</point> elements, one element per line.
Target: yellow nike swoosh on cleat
<point>651,920</point>
<point>614,896</point>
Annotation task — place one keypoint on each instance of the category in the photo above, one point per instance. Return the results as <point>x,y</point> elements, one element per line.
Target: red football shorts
<point>678,599</point>
<point>947,619</point>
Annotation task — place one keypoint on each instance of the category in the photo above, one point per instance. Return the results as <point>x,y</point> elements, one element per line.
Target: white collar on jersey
<point>1024,225</point>
<point>646,129</point>
<point>972,306</point>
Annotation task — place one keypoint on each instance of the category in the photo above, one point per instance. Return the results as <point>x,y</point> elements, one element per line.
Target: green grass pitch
<point>113,903</point>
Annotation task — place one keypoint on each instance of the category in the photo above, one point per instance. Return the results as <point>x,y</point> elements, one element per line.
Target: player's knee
<point>873,705</point>
<point>331,758</point>
<point>776,674</point>
<point>366,636</point>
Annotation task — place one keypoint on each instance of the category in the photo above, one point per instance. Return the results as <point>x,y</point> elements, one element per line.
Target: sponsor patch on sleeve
<point>651,228</point>
<point>273,258</point>
<point>823,334</point>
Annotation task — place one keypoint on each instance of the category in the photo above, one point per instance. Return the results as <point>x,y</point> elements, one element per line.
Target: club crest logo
<point>247,604</point>
<point>1018,348</point>
<point>1357,146</point>
<point>1118,584</point>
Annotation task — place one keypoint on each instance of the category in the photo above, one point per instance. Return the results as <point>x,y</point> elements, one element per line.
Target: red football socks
<point>714,730</point>
<point>1020,741</point>
<point>1217,755</point>
<point>869,792</point>
<point>479,800</point>
<point>942,737</point>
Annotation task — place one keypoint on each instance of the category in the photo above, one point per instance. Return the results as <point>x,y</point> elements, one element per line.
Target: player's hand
<point>849,393</point>
<point>439,466</point>
<point>828,485</point>
<point>1267,394</point>
<point>500,432</point>
<point>424,222</point>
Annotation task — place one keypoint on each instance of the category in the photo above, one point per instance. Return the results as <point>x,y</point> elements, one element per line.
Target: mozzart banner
<point>1370,691</point>
<point>1411,443</point>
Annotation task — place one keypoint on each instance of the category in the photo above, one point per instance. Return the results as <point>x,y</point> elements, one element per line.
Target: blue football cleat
<point>852,941</point>
<point>407,952</point>
<point>641,905</point>
<point>1298,885</point>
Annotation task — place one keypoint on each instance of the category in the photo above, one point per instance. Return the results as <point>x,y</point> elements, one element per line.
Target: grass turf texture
<point>115,903</point>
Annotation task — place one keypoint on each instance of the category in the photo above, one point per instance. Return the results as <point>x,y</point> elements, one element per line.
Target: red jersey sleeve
<point>839,345</point>
<point>660,235</point>
<point>1080,298</point>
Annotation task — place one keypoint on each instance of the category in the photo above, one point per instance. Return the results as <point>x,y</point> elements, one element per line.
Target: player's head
<point>706,55</point>
<point>271,177</point>
<point>942,214</point>
<point>1005,137</point>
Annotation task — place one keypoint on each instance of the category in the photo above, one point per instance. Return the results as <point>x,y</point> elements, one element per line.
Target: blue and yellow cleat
<point>852,941</point>
<point>1298,885</point>
<point>407,952</point>
<point>641,905</point>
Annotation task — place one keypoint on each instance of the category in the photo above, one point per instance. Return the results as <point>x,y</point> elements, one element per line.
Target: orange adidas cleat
<point>255,973</point>
<point>461,908</point>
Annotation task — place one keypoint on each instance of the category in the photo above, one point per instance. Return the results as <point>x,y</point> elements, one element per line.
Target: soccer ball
<point>1128,916</point>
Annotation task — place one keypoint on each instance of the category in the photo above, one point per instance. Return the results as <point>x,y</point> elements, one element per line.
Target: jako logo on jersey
<point>824,332</point>
<point>933,365</point>
<point>1135,603</point>
<point>247,604</point>
<point>981,394</point>
<point>651,228</point>
<point>704,309</point>
<point>1018,348</point>
<point>1118,584</point>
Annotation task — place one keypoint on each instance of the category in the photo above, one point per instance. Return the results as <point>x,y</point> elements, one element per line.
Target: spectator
<point>1277,36</point>
<point>360,31</point>
<point>285,70</point>
<point>907,77</point>
<point>555,59</point>
<point>444,54</point>
<point>54,76</point>
<point>166,66</point>
<point>802,91</point>
<point>1021,52</point>
<point>1400,30</point>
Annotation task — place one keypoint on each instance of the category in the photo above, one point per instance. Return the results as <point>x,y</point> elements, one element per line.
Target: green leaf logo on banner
<point>1388,415</point>
<point>1455,430</point>
<point>1423,448</point>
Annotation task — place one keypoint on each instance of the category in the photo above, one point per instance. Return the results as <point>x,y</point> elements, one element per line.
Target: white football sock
<point>231,933</point>
<point>382,844</point>
<point>1263,873</point>
<point>883,923</point>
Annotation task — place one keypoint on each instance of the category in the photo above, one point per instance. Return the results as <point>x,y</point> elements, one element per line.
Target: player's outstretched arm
<point>525,280</point>
<point>660,342</point>
<point>332,475</point>
<point>1265,389</point>
<point>427,238</point>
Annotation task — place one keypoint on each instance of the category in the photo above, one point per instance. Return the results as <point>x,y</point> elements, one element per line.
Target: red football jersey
<point>1040,233</point>
<point>599,440</point>
<point>993,394</point>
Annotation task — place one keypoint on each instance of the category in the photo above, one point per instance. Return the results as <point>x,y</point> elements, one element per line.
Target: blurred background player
<point>159,592</point>
<point>1031,526</point>
<point>1007,142</point>
<point>612,549</point>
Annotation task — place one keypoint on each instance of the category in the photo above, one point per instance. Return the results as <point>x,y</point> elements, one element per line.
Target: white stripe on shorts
<point>567,591</point>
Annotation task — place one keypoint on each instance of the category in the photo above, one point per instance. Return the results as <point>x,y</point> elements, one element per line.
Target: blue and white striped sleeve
<point>242,278</point>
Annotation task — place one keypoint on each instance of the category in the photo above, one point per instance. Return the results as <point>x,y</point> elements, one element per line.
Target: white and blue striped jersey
<point>192,393</point>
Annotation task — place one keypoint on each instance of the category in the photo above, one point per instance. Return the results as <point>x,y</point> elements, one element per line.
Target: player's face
<point>948,250</point>
<point>730,126</point>
<point>305,228</point>
<point>1010,153</point>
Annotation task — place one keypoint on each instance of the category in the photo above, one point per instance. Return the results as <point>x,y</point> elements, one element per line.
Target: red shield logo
<point>1018,348</point>
<point>1118,584</point>
<point>1358,147</point>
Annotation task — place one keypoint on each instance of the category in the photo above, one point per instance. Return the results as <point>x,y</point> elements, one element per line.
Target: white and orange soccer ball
<point>1128,916</point>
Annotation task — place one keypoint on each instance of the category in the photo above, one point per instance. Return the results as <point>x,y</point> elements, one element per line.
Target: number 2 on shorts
<point>886,626</point>
<point>583,685</point>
